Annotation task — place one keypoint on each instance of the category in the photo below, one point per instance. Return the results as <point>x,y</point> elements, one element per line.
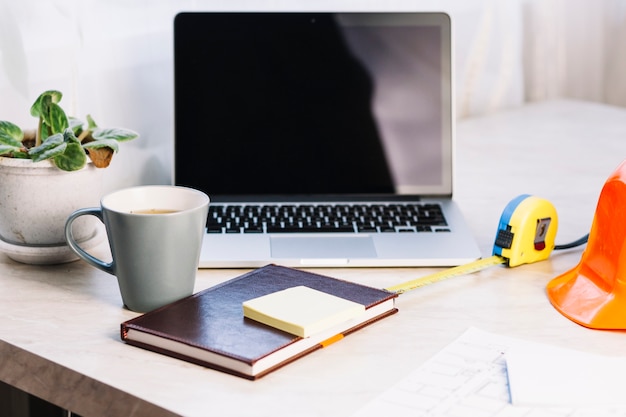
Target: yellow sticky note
<point>301,310</point>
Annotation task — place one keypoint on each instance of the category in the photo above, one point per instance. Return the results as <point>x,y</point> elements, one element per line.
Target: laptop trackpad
<point>327,247</point>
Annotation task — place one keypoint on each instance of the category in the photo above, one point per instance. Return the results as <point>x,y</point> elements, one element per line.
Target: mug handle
<point>90,259</point>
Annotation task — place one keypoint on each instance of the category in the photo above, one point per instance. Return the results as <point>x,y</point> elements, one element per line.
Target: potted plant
<point>45,174</point>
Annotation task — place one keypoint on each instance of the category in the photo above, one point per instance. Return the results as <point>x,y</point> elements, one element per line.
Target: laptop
<point>323,139</point>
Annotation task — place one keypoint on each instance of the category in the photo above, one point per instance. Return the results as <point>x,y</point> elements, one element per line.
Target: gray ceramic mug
<point>155,234</point>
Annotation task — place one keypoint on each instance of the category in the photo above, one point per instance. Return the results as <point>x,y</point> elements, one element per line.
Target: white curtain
<point>575,49</point>
<point>113,59</point>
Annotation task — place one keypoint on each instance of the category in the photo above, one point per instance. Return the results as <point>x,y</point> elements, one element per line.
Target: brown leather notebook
<point>209,328</point>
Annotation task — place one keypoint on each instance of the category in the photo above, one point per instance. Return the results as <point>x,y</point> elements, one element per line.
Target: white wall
<point>113,59</point>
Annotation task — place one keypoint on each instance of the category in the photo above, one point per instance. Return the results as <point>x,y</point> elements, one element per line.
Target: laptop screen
<point>313,103</point>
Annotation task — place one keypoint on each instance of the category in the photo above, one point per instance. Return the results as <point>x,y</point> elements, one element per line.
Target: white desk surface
<point>59,325</point>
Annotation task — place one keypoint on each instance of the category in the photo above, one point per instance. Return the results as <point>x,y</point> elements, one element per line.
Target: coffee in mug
<point>154,211</point>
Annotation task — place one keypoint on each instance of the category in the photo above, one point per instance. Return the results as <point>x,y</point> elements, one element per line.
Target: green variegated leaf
<point>50,143</point>
<point>40,106</point>
<point>6,149</point>
<point>49,152</point>
<point>103,143</point>
<point>75,124</point>
<point>21,155</point>
<point>10,134</point>
<point>91,124</point>
<point>118,134</point>
<point>57,120</point>
<point>7,140</point>
<point>72,159</point>
<point>69,136</point>
<point>54,139</point>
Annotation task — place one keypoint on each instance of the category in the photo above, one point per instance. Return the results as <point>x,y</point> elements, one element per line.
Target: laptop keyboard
<point>326,218</point>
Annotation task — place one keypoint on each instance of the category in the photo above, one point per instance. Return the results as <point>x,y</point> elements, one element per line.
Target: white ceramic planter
<point>35,200</point>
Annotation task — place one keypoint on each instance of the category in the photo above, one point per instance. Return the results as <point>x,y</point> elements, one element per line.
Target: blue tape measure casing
<point>526,230</point>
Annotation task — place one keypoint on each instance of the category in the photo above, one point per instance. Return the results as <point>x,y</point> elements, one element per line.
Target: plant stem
<point>38,135</point>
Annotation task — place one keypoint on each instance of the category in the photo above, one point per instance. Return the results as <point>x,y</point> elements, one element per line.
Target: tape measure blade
<point>448,273</point>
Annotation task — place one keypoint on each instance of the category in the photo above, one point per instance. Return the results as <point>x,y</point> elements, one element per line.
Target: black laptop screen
<point>312,103</point>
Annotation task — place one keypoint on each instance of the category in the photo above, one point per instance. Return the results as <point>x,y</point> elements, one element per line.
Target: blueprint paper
<point>468,378</point>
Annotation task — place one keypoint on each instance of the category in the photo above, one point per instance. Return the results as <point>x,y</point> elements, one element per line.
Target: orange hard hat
<point>593,294</point>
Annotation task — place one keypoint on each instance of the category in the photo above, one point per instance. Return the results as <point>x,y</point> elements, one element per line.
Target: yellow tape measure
<point>448,273</point>
<point>526,233</point>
